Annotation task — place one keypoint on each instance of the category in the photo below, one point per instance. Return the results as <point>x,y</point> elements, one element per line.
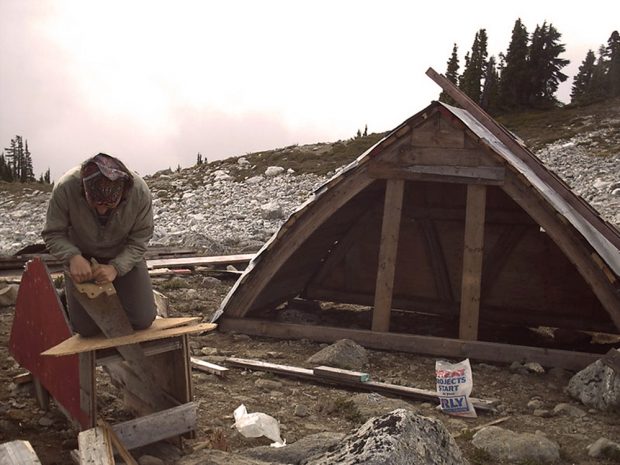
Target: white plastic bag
<point>454,385</point>
<point>255,425</point>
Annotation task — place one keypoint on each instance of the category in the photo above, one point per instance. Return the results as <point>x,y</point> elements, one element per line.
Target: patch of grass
<point>59,281</point>
<point>318,159</point>
<point>539,128</point>
<point>347,409</point>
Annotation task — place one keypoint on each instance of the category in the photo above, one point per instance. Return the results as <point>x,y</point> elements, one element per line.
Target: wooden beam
<point>157,426</point>
<point>552,180</point>
<point>340,374</point>
<point>446,156</point>
<point>117,443</point>
<point>429,345</point>
<point>390,230</point>
<point>18,452</point>
<point>486,175</point>
<point>472,262</point>
<point>351,381</point>
<point>568,240</point>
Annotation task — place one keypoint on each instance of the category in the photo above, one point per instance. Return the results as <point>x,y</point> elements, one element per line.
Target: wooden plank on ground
<point>298,372</point>
<point>429,345</point>
<point>340,374</point>
<point>78,344</point>
<point>390,230</point>
<point>472,262</point>
<point>212,368</point>
<point>200,261</point>
<point>95,447</point>
<point>18,453</point>
<point>157,426</point>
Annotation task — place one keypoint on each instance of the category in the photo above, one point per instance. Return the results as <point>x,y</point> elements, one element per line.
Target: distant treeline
<point>16,163</point>
<point>528,74</point>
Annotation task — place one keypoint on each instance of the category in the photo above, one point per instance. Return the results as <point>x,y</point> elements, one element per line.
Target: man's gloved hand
<point>80,269</point>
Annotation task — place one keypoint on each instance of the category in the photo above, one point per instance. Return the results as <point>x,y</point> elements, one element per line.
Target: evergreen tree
<point>19,160</point>
<point>452,74</point>
<point>599,83</point>
<point>46,177</point>
<point>583,80</point>
<point>612,54</point>
<point>513,77</point>
<point>365,130</point>
<point>475,67</point>
<point>489,99</point>
<point>5,170</point>
<point>545,65</point>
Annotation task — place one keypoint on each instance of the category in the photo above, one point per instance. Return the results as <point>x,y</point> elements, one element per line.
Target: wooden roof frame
<point>497,159</point>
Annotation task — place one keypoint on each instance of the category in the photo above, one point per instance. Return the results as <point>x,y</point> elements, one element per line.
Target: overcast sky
<point>156,82</point>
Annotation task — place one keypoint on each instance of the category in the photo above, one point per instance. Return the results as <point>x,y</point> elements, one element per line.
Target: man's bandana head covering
<point>104,179</point>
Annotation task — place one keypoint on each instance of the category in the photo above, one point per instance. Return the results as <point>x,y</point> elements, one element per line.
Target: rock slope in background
<point>235,205</point>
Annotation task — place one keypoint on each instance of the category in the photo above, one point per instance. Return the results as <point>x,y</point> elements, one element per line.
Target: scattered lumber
<point>374,386</point>
<point>208,367</point>
<point>18,453</point>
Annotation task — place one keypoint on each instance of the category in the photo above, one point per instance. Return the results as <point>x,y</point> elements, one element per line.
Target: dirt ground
<point>301,407</point>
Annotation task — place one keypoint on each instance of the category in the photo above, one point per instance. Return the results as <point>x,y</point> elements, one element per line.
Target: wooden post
<point>387,254</point>
<point>472,262</point>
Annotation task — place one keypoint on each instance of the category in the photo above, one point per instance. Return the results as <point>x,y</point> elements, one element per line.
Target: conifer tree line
<point>16,163</point>
<point>529,73</point>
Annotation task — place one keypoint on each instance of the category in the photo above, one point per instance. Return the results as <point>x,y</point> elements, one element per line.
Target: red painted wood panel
<point>39,324</point>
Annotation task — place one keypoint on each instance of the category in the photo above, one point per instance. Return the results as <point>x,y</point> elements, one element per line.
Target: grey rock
<point>535,404</point>
<point>274,171</point>
<point>370,405</point>
<point>344,353</point>
<point>294,453</point>
<point>534,367</point>
<point>596,386</point>
<point>503,444</point>
<point>604,448</point>
<point>397,438</point>
<point>8,294</point>
<point>268,384</point>
<point>301,411</point>
<point>568,410</point>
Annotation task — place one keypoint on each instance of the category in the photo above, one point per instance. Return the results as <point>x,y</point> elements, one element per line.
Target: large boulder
<point>398,438</point>
<point>597,386</point>
<point>503,444</point>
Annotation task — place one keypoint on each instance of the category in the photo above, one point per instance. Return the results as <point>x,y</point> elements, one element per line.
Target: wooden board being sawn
<point>103,305</point>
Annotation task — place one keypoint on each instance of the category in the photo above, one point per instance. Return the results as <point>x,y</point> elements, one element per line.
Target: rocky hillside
<point>234,205</point>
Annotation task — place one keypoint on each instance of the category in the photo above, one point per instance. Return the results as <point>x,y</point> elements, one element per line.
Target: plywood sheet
<point>78,344</point>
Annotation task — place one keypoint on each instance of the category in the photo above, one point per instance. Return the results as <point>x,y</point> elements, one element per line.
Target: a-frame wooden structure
<point>451,215</point>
